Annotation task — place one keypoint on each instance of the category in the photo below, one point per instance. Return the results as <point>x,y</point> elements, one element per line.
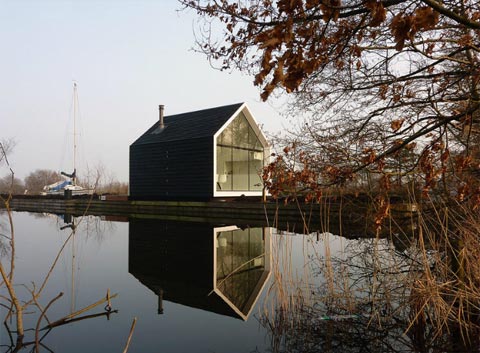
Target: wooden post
<point>160,301</point>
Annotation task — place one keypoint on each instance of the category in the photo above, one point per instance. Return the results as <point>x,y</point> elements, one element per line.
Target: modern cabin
<point>217,152</point>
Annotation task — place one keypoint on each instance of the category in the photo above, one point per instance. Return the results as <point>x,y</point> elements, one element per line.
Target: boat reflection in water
<point>221,269</point>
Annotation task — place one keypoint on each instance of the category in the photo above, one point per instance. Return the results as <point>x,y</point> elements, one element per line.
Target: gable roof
<point>186,126</point>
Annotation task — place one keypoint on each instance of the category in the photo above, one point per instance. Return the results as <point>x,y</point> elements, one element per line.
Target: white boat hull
<point>75,189</point>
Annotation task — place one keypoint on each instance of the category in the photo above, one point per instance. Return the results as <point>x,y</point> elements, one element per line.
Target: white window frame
<point>261,137</point>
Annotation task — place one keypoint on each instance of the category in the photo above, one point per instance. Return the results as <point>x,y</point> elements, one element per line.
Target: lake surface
<point>198,287</point>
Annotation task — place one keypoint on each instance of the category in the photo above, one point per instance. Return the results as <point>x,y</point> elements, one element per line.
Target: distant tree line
<point>34,183</point>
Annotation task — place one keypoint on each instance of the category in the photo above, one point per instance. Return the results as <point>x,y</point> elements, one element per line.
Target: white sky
<point>127,58</point>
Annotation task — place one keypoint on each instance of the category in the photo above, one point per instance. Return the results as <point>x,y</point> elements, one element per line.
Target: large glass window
<point>240,264</point>
<point>224,168</point>
<point>239,157</point>
<point>240,169</point>
<point>255,164</point>
<point>240,131</point>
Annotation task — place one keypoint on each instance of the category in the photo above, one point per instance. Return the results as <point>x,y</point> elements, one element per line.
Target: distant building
<point>217,152</point>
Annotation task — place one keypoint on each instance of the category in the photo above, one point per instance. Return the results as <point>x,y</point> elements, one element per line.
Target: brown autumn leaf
<point>401,27</point>
<point>411,146</point>
<point>378,12</point>
<point>311,3</point>
<point>425,18</point>
<point>445,155</point>
<point>278,75</point>
<point>267,90</point>
<point>271,42</point>
<point>383,91</point>
<point>396,124</point>
<point>259,78</point>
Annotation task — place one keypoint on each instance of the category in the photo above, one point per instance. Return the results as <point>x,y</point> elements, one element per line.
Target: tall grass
<point>447,292</point>
<point>417,289</point>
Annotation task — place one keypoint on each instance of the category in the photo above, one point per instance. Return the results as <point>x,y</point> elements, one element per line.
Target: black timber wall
<point>180,170</point>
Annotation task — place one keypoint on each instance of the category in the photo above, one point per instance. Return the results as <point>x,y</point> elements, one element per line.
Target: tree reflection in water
<point>29,315</point>
<point>364,295</point>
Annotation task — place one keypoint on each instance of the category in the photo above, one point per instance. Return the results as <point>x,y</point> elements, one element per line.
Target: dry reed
<point>416,289</point>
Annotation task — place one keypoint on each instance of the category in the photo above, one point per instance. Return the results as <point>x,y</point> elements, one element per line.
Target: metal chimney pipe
<point>161,108</point>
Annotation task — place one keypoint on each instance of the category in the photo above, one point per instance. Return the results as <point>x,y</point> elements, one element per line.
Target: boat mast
<point>75,99</point>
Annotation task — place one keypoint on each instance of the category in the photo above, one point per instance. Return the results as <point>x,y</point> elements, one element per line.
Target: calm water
<point>197,287</point>
<point>211,280</point>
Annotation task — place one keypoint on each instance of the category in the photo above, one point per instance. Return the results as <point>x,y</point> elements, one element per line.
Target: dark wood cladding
<point>176,162</point>
<point>181,169</point>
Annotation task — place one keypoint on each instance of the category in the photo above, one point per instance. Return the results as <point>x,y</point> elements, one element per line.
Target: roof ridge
<point>190,125</point>
<point>205,109</point>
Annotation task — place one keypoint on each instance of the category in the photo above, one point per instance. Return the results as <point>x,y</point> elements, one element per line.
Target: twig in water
<point>37,328</point>
<point>130,335</point>
<point>78,312</point>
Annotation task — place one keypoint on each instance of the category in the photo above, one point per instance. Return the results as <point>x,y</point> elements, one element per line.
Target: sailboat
<point>69,184</point>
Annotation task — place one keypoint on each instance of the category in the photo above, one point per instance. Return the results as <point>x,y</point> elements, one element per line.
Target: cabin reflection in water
<point>219,269</point>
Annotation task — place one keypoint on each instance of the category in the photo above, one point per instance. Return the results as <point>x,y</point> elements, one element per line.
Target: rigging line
<point>80,159</point>
<point>75,99</point>
<point>66,144</point>
<point>72,288</point>
<point>64,270</point>
<point>79,260</point>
